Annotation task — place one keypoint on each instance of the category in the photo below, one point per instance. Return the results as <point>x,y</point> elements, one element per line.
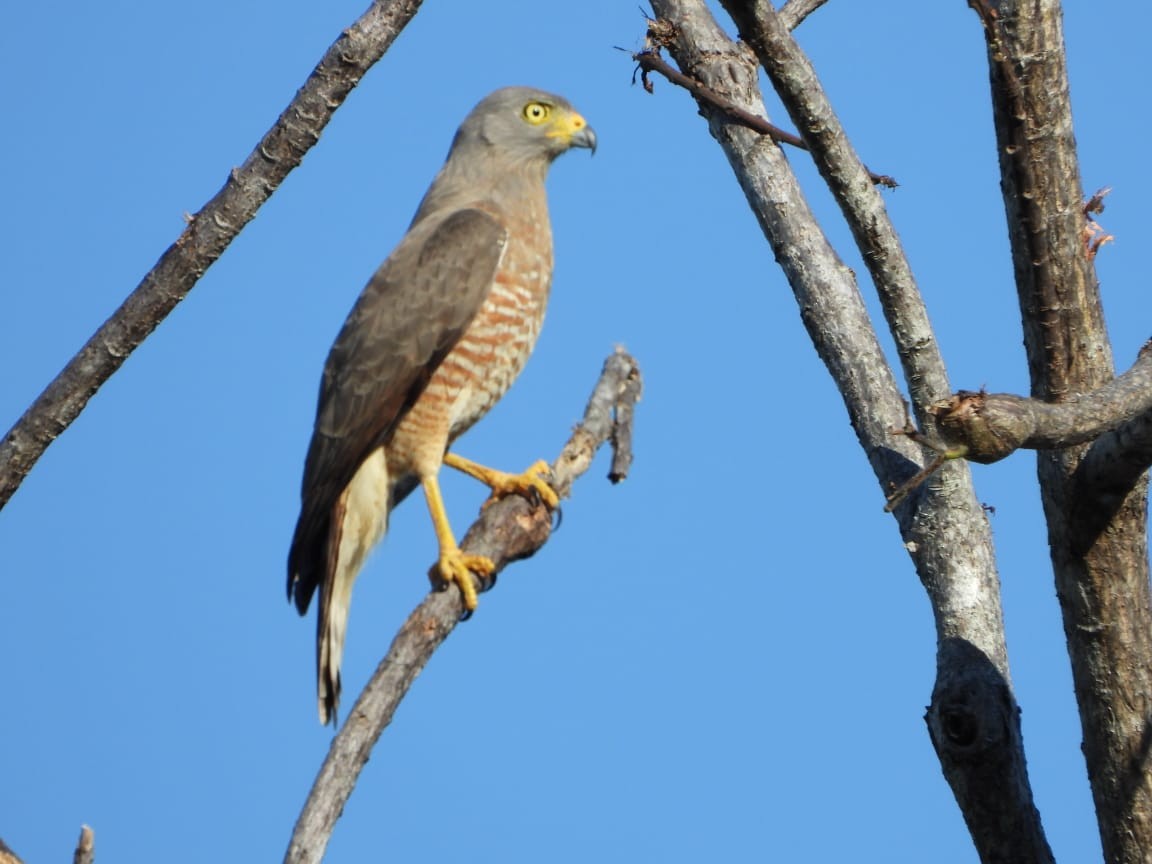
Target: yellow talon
<point>530,482</point>
<point>457,566</point>
<point>453,565</point>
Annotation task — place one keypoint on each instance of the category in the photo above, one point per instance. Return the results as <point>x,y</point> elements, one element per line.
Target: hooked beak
<point>574,131</point>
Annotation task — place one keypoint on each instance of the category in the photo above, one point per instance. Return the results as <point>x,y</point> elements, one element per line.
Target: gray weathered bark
<point>1097,531</point>
<point>204,240</point>
<point>973,719</point>
<point>507,530</point>
<point>987,427</point>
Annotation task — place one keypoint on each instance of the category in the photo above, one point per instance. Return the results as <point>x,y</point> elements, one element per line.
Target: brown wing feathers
<point>415,308</point>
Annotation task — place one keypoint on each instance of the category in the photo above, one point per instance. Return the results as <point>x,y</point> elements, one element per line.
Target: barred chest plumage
<point>491,353</point>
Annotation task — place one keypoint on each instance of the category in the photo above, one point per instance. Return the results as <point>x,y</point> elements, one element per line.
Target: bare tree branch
<point>798,87</point>
<point>794,12</point>
<point>838,323</point>
<point>507,530</point>
<point>833,309</point>
<point>943,526</point>
<point>1111,469</point>
<point>1064,333</point>
<point>974,724</point>
<point>986,427</point>
<point>204,239</point>
<point>1099,546</point>
<point>85,847</point>
<point>650,60</point>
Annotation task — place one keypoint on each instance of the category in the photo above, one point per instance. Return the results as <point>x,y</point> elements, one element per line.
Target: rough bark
<point>974,724</point>
<point>986,427</point>
<point>508,530</point>
<point>1113,465</point>
<point>942,525</point>
<point>795,11</point>
<point>798,87</point>
<point>204,239</point>
<point>1097,533</point>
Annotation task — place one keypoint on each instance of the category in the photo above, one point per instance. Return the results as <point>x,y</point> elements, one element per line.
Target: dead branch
<point>85,847</point>
<point>508,530</point>
<point>848,179</point>
<point>974,725</point>
<point>794,12</point>
<point>650,60</point>
<point>205,238</point>
<point>1098,536</point>
<point>943,527</point>
<point>990,426</point>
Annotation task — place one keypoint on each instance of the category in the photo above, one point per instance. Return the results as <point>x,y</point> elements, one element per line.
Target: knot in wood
<point>959,725</point>
<point>985,426</point>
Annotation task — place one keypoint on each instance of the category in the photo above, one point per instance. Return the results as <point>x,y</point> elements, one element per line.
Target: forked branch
<point>943,527</point>
<point>987,427</point>
<point>796,83</point>
<point>990,426</point>
<point>660,34</point>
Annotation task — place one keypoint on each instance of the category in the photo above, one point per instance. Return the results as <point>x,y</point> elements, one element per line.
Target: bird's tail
<point>358,522</point>
<point>331,624</point>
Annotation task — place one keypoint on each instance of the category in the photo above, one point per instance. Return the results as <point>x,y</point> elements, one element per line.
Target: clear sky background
<point>726,658</point>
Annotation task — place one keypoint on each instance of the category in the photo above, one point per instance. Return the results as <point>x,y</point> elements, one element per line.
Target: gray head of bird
<point>524,124</point>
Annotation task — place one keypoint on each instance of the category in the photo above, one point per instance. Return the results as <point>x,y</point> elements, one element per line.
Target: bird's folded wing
<point>413,311</point>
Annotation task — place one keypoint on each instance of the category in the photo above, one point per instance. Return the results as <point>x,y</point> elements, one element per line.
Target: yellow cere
<point>567,125</point>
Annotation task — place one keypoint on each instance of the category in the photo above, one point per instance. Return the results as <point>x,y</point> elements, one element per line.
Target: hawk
<point>435,339</point>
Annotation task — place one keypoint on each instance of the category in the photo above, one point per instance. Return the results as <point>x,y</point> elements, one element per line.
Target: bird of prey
<point>435,339</point>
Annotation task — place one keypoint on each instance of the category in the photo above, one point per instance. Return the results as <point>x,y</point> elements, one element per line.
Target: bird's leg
<point>530,482</point>
<point>454,564</point>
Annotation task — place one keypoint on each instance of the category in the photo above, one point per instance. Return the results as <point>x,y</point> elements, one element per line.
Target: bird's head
<point>525,124</point>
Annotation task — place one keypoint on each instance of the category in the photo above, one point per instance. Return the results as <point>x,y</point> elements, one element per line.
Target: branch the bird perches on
<point>507,530</point>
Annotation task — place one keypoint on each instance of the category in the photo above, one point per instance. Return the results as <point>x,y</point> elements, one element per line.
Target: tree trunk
<point>1098,536</point>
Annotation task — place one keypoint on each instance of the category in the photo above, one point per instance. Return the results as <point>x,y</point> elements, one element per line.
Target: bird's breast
<point>496,346</point>
<point>491,353</point>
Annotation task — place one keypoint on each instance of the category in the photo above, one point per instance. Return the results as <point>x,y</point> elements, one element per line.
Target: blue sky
<point>725,658</point>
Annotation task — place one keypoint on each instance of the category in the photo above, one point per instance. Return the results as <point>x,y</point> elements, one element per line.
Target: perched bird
<point>435,339</point>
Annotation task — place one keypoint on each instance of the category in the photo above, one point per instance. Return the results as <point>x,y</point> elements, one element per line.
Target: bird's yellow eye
<point>536,112</point>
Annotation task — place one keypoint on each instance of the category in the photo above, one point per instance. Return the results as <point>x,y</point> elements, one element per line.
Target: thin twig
<point>205,238</point>
<point>941,456</point>
<point>649,60</point>
<point>509,529</point>
<point>795,11</point>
